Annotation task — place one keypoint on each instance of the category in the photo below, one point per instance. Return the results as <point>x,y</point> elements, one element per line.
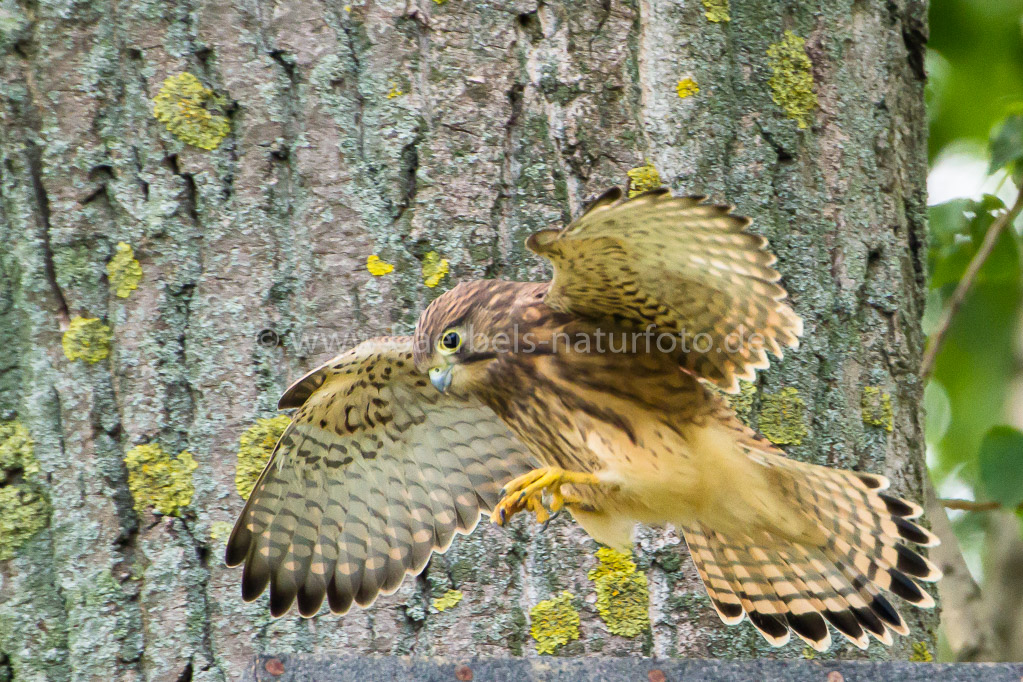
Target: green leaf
<point>938,411</point>
<point>1007,145</point>
<point>1001,465</point>
<point>975,366</point>
<point>957,229</point>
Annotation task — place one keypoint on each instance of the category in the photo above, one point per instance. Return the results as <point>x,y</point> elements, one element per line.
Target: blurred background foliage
<point>974,398</point>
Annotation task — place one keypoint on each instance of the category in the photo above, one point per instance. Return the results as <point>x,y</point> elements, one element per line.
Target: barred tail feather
<point>783,586</point>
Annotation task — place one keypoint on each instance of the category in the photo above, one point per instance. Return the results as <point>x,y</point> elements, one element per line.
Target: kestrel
<point>593,393</point>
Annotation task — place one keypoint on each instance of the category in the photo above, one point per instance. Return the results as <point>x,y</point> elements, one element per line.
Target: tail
<point>788,587</point>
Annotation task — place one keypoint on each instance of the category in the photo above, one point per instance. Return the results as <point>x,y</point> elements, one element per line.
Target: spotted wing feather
<point>376,471</point>
<point>682,266</point>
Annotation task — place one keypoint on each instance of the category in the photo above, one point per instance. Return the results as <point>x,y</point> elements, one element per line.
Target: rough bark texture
<point>398,128</point>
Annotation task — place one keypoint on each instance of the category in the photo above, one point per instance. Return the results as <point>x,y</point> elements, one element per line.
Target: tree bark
<point>400,128</point>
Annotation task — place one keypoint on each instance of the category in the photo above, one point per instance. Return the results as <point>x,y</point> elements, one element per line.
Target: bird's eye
<point>450,342</point>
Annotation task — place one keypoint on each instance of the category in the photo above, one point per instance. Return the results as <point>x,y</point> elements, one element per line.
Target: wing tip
<point>237,545</point>
<point>730,614</point>
<point>900,507</point>
<point>772,627</point>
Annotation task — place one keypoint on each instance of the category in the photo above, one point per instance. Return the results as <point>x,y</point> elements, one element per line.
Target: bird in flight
<point>594,393</point>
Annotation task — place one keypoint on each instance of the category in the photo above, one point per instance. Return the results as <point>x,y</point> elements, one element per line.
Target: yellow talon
<point>526,493</point>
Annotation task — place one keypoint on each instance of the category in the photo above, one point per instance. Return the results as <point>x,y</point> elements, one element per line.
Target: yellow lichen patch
<point>783,417</point>
<point>123,271</point>
<point>611,561</point>
<point>87,338</point>
<point>378,267</point>
<point>159,481</point>
<point>876,408</point>
<point>921,654</point>
<point>687,87</point>
<point>434,269</point>
<point>191,111</point>
<point>554,623</point>
<point>220,530</point>
<point>623,597</point>
<point>449,600</point>
<point>256,446</point>
<point>24,509</point>
<point>643,178</point>
<point>792,82</point>
<point>395,91</point>
<point>623,602</point>
<point>717,10</point>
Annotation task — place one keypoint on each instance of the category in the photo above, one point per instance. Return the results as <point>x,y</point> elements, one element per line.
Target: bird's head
<point>455,338</point>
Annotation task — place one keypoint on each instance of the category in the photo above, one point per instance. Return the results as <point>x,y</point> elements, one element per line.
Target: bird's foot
<point>548,521</point>
<point>525,493</point>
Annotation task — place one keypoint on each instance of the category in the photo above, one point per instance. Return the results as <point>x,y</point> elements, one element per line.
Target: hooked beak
<point>440,377</point>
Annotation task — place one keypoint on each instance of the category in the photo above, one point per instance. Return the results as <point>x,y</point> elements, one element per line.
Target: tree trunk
<point>396,129</point>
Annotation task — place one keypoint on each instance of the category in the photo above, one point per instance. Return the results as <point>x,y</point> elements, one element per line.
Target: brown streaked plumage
<point>562,389</point>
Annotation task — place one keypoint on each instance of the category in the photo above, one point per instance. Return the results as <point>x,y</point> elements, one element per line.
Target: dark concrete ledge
<point>295,667</point>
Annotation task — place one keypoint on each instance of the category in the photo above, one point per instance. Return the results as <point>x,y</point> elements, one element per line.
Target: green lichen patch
<point>220,530</point>
<point>24,509</point>
<point>87,338</point>
<point>783,417</point>
<point>123,271</point>
<point>448,600</point>
<point>191,111</point>
<point>921,654</point>
<point>623,596</point>
<point>17,456</point>
<point>687,87</point>
<point>717,10</point>
<point>792,82</point>
<point>643,178</point>
<point>434,268</point>
<point>742,402</point>
<point>554,623</point>
<point>876,408</point>
<point>159,481</point>
<point>256,446</point>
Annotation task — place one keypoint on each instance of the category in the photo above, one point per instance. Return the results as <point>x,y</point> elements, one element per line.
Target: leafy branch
<point>966,283</point>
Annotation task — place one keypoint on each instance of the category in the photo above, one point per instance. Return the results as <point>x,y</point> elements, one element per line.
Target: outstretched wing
<point>685,268</point>
<point>376,471</point>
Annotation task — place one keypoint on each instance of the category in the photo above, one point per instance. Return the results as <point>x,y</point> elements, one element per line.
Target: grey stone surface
<point>294,668</point>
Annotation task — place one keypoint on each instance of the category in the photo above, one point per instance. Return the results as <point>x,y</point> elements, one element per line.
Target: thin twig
<point>971,505</point>
<point>959,295</point>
